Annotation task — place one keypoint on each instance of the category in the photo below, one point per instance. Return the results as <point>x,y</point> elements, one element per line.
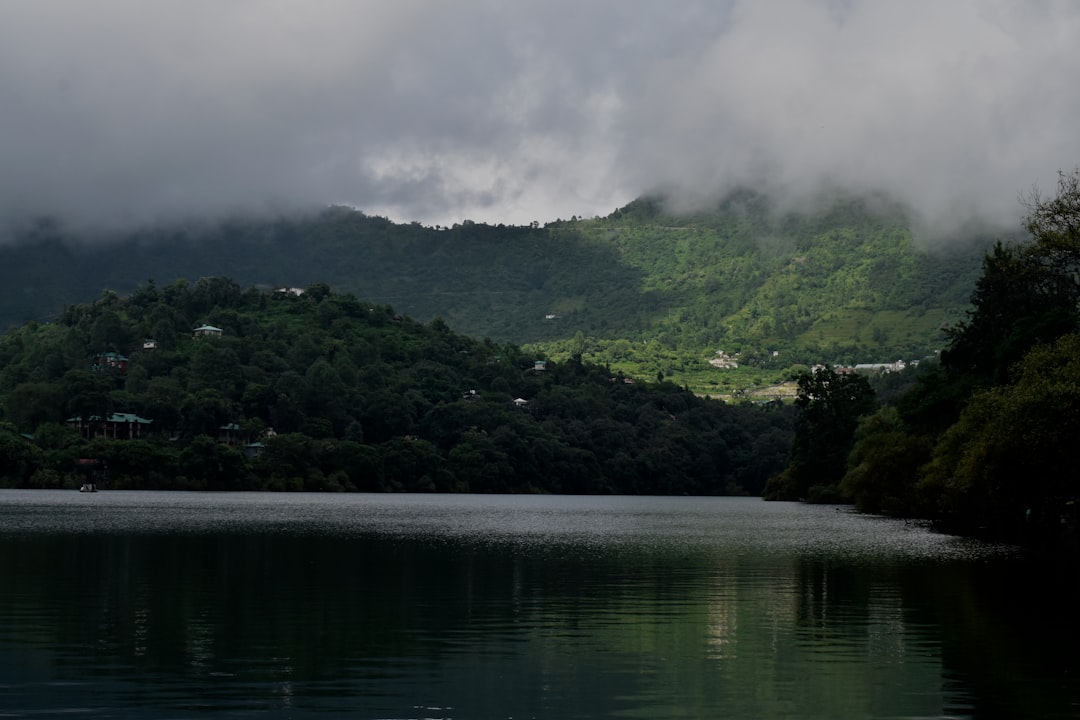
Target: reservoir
<point>257,605</point>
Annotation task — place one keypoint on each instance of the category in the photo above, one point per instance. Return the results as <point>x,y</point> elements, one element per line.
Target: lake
<point>183,605</point>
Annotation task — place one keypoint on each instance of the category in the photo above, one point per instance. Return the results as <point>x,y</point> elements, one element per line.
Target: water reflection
<point>461,607</point>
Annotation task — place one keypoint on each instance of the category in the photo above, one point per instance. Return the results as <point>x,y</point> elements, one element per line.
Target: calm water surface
<point>183,605</point>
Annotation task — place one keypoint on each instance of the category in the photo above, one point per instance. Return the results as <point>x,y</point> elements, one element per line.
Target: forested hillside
<point>205,385</point>
<point>983,443</point>
<point>642,289</point>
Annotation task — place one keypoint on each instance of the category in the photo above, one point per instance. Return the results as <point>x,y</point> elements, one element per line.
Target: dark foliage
<point>828,408</point>
<point>1019,301</point>
<point>333,393</point>
<point>985,444</point>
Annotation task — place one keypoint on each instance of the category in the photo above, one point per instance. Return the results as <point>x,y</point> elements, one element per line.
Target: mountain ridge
<point>841,282</point>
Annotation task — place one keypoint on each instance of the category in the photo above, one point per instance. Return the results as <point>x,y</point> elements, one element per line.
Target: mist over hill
<point>844,281</point>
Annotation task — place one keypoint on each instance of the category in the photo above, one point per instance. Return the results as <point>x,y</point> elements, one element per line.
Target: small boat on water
<point>93,471</point>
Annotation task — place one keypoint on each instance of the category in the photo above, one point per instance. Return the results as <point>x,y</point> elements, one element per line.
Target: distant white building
<point>897,366</point>
<point>725,361</point>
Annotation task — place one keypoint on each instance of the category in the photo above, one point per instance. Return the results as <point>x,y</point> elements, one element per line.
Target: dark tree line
<point>322,391</point>
<point>984,441</point>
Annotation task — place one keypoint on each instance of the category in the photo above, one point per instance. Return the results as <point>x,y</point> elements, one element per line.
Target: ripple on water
<point>727,525</point>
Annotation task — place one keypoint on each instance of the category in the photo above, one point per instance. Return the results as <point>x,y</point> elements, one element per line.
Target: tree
<point>884,464</point>
<point>287,459</point>
<point>1027,294</point>
<point>17,459</point>
<point>317,292</point>
<point>211,292</point>
<point>828,407</point>
<point>31,404</point>
<point>325,394</point>
<point>161,402</point>
<point>108,333</point>
<point>212,465</point>
<point>1020,299</point>
<point>1054,223</point>
<point>414,466</point>
<point>214,367</point>
<point>204,412</point>
<point>476,461</point>
<point>1013,449</point>
<point>87,394</point>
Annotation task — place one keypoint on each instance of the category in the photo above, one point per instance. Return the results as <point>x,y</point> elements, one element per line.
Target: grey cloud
<point>952,107</point>
<point>119,112</point>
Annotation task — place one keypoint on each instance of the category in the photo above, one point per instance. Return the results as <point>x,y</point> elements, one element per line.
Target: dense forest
<point>984,441</point>
<point>206,385</point>
<point>644,290</point>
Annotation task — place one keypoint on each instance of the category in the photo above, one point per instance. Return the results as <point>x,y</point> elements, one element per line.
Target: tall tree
<point>1022,298</point>
<point>1054,223</point>
<point>828,407</point>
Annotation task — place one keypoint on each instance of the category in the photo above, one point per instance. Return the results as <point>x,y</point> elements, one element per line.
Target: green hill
<point>642,289</point>
<point>844,284</point>
<point>207,386</point>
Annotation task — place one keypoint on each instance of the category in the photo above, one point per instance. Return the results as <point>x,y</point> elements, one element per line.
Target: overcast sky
<point>127,111</point>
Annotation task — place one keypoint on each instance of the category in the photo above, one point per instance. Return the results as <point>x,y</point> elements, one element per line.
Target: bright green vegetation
<point>984,442</point>
<point>642,290</point>
<point>357,398</point>
<point>845,284</point>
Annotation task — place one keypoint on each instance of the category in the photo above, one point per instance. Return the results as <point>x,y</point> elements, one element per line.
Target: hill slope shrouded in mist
<point>842,282</point>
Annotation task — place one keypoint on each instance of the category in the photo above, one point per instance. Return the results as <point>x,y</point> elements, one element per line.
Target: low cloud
<point>119,112</point>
